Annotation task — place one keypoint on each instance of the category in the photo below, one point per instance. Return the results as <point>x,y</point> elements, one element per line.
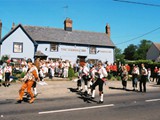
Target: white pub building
<point>24,42</point>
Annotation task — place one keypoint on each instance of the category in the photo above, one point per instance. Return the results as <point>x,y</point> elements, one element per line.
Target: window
<point>92,50</point>
<point>53,47</point>
<point>17,47</point>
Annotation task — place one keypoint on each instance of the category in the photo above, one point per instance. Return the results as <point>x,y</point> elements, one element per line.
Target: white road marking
<point>152,100</point>
<point>75,109</point>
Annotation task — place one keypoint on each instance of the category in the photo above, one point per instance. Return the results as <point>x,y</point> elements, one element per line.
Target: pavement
<point>61,87</point>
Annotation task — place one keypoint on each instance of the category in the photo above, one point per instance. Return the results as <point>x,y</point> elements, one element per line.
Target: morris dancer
<point>85,77</point>
<point>101,74</point>
<point>30,77</point>
<point>92,79</point>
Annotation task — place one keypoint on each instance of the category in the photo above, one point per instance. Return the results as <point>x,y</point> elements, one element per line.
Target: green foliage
<point>76,74</point>
<point>118,55</point>
<point>109,76</point>
<point>70,73</point>
<point>22,74</point>
<point>130,52</point>
<point>136,52</point>
<point>4,58</point>
<point>143,48</point>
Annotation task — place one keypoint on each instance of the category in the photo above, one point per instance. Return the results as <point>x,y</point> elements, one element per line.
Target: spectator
<point>143,79</point>
<point>149,75</point>
<point>1,74</point>
<point>8,73</point>
<point>158,75</point>
<point>124,77</point>
<point>155,74</point>
<point>135,73</point>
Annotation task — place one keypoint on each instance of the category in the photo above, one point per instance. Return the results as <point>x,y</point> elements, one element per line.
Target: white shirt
<point>103,73</point>
<point>85,70</point>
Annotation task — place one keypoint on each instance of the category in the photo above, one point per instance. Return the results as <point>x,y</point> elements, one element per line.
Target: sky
<point>129,22</point>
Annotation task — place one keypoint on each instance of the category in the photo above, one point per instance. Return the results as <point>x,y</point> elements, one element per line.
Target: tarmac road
<point>124,106</point>
<point>62,88</point>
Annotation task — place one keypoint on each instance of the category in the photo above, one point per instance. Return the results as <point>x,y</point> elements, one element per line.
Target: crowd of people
<point>46,68</point>
<point>89,74</point>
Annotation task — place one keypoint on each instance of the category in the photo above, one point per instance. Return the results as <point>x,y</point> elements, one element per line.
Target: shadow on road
<point>122,89</point>
<point>83,95</point>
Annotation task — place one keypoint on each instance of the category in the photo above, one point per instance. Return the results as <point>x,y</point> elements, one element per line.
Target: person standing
<point>1,74</point>
<point>29,79</point>
<point>124,77</point>
<point>101,74</point>
<point>158,76</point>
<point>135,74</point>
<point>155,74</point>
<point>143,79</point>
<point>8,73</point>
<point>149,74</point>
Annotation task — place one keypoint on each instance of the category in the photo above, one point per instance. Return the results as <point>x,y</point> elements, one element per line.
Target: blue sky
<point>127,21</point>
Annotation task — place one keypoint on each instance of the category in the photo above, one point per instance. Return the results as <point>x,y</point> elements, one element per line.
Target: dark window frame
<point>92,50</point>
<point>18,50</point>
<point>51,47</point>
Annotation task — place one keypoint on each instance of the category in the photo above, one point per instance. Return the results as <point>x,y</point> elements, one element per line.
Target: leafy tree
<point>118,54</point>
<point>143,48</point>
<point>130,52</point>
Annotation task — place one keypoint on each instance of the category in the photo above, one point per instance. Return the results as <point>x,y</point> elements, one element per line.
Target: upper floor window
<point>53,47</point>
<point>17,47</point>
<point>92,50</point>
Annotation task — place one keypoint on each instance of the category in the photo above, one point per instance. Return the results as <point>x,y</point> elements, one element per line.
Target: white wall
<point>70,52</point>
<point>18,36</point>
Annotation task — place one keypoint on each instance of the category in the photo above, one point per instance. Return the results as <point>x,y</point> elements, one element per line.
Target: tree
<point>118,54</point>
<point>143,48</point>
<point>130,52</point>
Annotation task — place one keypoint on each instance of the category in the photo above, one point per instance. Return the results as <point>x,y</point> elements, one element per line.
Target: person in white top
<point>85,77</point>
<point>1,74</point>
<point>92,78</point>
<point>143,79</point>
<point>8,73</point>
<point>101,74</point>
<point>149,74</point>
<point>135,73</point>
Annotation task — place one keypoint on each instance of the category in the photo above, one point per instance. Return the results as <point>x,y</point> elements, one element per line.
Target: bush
<point>70,73</point>
<point>109,76</point>
<point>22,74</point>
<point>4,58</point>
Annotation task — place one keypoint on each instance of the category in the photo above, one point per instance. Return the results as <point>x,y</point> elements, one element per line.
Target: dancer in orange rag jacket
<point>29,79</point>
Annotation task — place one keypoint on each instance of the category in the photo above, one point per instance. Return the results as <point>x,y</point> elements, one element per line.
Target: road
<point>132,106</point>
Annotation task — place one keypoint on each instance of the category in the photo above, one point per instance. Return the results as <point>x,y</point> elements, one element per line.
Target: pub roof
<point>57,35</point>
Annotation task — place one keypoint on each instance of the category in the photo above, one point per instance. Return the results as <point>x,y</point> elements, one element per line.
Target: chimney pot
<point>68,24</point>
<point>13,26</point>
<point>0,29</point>
<point>108,32</point>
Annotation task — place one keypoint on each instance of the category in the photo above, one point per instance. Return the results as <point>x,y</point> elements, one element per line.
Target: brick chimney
<point>13,26</point>
<point>0,29</point>
<point>108,32</point>
<point>68,24</point>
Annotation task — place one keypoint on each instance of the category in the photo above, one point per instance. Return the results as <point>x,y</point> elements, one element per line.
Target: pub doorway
<point>81,60</point>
